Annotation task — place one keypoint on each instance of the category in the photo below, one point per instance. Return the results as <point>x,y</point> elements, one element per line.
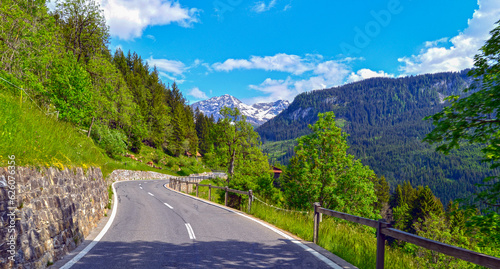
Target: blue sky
<point>275,49</point>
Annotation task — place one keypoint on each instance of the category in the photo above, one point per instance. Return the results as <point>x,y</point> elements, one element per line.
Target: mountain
<point>256,114</point>
<point>384,120</point>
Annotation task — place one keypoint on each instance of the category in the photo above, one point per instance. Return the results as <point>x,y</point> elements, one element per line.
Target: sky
<point>262,51</point>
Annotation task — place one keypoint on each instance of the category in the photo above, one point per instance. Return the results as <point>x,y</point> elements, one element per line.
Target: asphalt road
<point>155,227</point>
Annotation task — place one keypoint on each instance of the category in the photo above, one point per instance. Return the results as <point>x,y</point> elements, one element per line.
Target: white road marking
<point>190,231</point>
<point>293,240</point>
<point>151,194</point>
<point>169,206</point>
<point>99,237</point>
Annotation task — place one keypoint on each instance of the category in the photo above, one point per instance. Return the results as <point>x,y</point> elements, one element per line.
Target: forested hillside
<point>384,120</point>
<point>60,62</point>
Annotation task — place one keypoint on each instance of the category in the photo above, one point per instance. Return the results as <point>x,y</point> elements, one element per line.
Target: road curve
<point>155,227</point>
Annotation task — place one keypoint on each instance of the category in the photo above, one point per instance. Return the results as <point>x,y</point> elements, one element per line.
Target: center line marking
<point>169,206</point>
<point>190,231</point>
<point>150,194</point>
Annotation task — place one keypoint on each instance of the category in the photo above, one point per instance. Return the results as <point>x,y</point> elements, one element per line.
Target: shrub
<point>111,140</point>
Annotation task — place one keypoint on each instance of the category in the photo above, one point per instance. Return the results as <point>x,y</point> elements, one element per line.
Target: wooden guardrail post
<point>225,198</point>
<point>380,244</point>
<point>197,189</point>
<point>316,222</point>
<point>250,198</point>
<point>210,192</point>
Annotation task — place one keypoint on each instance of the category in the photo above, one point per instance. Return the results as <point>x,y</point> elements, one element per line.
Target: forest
<point>384,118</point>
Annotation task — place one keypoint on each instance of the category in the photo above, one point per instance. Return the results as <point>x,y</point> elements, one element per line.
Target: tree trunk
<point>231,166</point>
<point>90,129</point>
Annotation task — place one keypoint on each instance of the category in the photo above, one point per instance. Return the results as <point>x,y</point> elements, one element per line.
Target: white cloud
<point>178,81</point>
<point>367,73</point>
<point>168,66</point>
<point>324,75</point>
<point>128,19</point>
<point>261,6</point>
<point>152,37</point>
<point>279,62</point>
<point>460,55</point>
<point>196,93</point>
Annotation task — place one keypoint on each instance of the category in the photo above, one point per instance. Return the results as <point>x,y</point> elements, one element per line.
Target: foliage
<point>236,147</point>
<point>111,140</point>
<point>322,171</point>
<point>386,132</point>
<point>71,92</point>
<point>412,205</point>
<point>83,27</point>
<point>382,192</point>
<point>474,118</point>
<point>353,243</point>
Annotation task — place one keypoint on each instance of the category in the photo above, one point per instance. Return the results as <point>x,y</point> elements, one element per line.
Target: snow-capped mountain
<point>256,114</point>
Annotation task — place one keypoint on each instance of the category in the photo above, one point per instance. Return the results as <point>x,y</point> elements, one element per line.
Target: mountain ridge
<point>256,114</point>
<point>384,120</point>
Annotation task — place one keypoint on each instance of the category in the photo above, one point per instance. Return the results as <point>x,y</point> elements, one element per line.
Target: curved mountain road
<point>156,227</point>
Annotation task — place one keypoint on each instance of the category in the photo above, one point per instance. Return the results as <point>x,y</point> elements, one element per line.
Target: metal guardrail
<point>384,229</point>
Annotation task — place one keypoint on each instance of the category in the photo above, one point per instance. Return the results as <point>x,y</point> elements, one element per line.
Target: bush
<point>111,140</point>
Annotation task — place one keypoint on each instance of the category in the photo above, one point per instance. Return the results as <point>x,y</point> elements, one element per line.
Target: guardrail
<point>384,229</point>
<point>176,184</point>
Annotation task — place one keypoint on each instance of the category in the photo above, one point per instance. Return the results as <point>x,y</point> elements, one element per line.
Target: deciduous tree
<point>322,171</point>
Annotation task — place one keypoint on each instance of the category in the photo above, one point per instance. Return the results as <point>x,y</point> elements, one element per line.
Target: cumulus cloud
<point>460,55</point>
<point>367,73</point>
<point>168,66</point>
<point>261,6</point>
<point>323,75</point>
<point>311,72</point>
<point>197,93</point>
<point>128,19</point>
<point>279,62</point>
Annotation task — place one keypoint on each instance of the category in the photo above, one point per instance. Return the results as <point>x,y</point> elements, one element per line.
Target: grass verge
<point>40,140</point>
<point>352,242</point>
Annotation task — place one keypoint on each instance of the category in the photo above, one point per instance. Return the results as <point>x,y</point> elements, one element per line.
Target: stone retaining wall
<point>119,175</point>
<point>54,211</point>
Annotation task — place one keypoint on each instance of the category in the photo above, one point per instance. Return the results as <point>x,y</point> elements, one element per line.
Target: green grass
<point>203,191</point>
<point>38,140</point>
<point>354,243</point>
<point>351,242</point>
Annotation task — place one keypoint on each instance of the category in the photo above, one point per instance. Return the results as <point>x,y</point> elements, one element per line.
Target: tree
<point>322,171</point>
<point>382,191</point>
<point>475,118</point>
<point>236,145</point>
<point>84,27</point>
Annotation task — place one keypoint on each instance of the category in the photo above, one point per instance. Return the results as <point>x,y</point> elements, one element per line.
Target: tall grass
<point>37,139</point>
<point>40,140</point>
<point>352,242</point>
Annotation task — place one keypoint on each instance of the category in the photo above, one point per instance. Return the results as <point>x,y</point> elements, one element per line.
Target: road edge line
<point>315,253</point>
<point>104,230</point>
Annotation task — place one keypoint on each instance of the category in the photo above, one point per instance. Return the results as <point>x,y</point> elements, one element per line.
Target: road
<point>156,227</point>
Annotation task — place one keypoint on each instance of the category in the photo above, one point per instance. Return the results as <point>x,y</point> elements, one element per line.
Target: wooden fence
<point>176,184</point>
<point>384,229</point>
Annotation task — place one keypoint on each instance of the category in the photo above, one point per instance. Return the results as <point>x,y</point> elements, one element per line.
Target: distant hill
<point>256,114</point>
<point>383,117</point>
